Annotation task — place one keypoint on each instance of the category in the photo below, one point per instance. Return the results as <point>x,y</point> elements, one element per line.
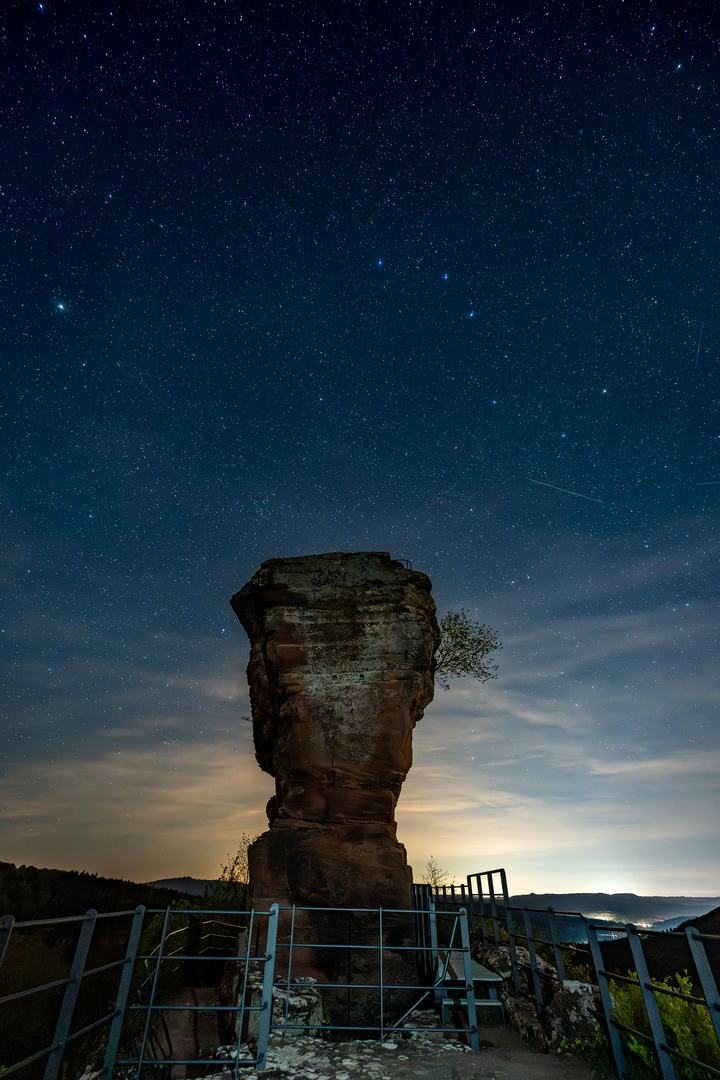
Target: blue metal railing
<point>440,926</point>
<point>457,933</point>
<point>649,990</point>
<point>139,1007</point>
<point>493,909</point>
<point>54,1052</point>
<point>153,962</point>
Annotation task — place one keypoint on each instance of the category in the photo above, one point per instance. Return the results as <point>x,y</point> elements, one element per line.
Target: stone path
<point>423,1056</point>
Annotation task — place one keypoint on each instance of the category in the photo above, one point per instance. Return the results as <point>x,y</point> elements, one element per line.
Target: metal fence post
<point>705,975</point>
<point>651,1007</point>
<point>533,962</point>
<point>6,925</point>
<point>493,909</point>
<point>152,993</point>
<point>434,955</point>
<point>382,988</point>
<point>511,935</point>
<point>267,989</point>
<point>557,951</point>
<point>483,927</point>
<point>123,990</point>
<point>289,973</point>
<point>469,986</point>
<point>71,995</point>
<point>603,982</point>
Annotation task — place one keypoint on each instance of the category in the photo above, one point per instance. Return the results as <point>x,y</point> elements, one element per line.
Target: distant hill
<point>669,953</point>
<point>190,886</point>
<point>31,892</point>
<point>706,924</point>
<point>623,907</point>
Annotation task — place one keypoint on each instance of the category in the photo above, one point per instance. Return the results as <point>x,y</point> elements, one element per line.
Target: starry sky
<point>433,278</point>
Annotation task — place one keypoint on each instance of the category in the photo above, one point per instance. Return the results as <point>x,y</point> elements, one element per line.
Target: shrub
<point>688,1028</point>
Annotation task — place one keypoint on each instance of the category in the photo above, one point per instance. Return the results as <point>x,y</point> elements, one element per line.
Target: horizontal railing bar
<point>281,985</point>
<point>304,945</point>
<point>364,911</point>
<point>29,1060</point>
<point>374,1027</point>
<point>656,989</point>
<point>691,1060</point>
<point>115,914</point>
<point>198,1008</point>
<point>52,922</point>
<point>633,1031</point>
<point>591,922</point>
<point>674,993</point>
<point>385,948</point>
<point>107,967</point>
<point>222,911</point>
<point>204,956</point>
<point>91,1027</point>
<point>34,990</point>
<point>514,907</point>
<point>536,940</point>
<point>620,978</point>
<point>70,918</point>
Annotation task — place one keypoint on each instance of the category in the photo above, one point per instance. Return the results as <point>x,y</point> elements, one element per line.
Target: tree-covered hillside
<point>31,892</point>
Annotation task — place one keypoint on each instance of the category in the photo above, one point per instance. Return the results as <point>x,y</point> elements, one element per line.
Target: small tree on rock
<point>230,891</point>
<point>434,875</point>
<point>463,649</point>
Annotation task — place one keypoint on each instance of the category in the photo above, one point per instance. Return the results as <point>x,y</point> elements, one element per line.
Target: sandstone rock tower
<point>340,671</point>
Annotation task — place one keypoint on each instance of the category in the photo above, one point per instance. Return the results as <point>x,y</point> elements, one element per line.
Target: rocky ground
<point>422,1056</point>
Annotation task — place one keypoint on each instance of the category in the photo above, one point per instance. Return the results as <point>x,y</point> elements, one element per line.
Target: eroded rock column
<point>340,672</point>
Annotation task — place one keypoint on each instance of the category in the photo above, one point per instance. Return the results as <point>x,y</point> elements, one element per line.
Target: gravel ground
<point>423,1056</point>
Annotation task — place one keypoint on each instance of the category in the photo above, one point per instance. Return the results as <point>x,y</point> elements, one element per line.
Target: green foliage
<point>434,875</point>
<point>688,1027</point>
<point>464,648</point>
<point>596,1052</point>
<point>577,971</point>
<point>231,890</point>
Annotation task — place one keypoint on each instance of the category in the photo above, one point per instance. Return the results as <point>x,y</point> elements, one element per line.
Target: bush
<point>688,1028</point>
<point>231,890</point>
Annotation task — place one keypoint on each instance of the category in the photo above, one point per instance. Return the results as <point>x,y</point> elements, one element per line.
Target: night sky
<point>438,279</point>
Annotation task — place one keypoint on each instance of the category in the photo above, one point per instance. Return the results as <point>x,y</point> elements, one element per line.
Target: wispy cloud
<point>136,813</point>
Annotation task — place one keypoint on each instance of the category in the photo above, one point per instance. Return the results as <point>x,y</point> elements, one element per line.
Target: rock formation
<point>340,671</point>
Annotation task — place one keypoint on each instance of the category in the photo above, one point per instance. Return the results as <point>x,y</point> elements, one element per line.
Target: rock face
<point>570,1020</point>
<point>340,671</point>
